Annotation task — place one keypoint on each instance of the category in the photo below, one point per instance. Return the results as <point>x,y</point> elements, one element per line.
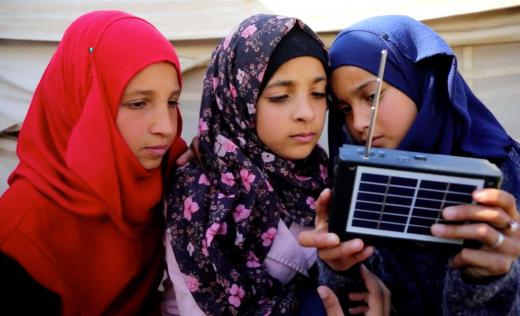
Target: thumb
<point>330,301</point>
<point>322,208</point>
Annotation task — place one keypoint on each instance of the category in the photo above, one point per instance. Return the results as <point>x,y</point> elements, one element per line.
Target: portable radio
<point>397,195</point>
<point>391,197</point>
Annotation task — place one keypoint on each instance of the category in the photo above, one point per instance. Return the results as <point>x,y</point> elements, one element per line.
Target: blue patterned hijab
<point>450,119</point>
<point>223,214</point>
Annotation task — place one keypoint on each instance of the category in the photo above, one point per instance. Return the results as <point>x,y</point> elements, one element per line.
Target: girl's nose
<point>360,118</point>
<point>164,120</point>
<point>304,110</point>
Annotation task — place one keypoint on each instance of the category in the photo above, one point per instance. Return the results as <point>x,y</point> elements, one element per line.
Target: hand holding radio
<point>376,299</point>
<point>340,256</point>
<point>493,222</point>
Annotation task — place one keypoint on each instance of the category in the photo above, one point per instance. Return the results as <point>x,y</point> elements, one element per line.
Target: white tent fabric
<point>484,34</point>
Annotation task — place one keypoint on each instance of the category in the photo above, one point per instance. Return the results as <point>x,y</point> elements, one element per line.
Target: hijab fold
<point>223,215</point>
<point>91,229</point>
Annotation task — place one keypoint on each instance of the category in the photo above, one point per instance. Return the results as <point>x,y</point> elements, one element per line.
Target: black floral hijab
<point>223,215</point>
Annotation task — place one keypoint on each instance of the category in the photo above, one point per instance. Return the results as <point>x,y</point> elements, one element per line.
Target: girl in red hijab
<point>80,225</point>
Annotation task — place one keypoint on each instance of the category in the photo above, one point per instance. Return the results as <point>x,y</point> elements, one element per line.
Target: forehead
<point>302,67</point>
<point>349,80</point>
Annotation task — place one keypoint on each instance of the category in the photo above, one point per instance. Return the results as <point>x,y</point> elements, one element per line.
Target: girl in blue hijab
<point>425,106</point>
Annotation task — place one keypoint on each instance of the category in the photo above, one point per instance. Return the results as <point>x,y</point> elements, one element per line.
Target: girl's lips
<point>157,150</point>
<point>377,141</point>
<point>304,137</point>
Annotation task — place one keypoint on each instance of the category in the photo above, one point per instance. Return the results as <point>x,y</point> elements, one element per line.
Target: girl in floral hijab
<point>230,215</point>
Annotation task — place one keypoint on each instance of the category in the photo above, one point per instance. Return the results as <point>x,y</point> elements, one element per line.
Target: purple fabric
<point>451,120</point>
<point>223,214</point>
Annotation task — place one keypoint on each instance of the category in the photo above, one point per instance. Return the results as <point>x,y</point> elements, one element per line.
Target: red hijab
<point>80,214</point>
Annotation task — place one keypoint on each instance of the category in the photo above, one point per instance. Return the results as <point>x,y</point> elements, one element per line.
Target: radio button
<point>421,157</point>
<point>402,158</point>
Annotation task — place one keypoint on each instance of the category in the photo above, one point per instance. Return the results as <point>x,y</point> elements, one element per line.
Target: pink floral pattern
<point>228,179</point>
<point>268,237</point>
<point>223,211</point>
<point>203,179</point>
<point>191,282</point>
<point>323,172</point>
<point>190,207</point>
<point>247,178</point>
<point>252,260</point>
<point>311,202</point>
<point>236,293</point>
<point>213,230</point>
<point>241,213</point>
<point>202,126</point>
<point>250,30</point>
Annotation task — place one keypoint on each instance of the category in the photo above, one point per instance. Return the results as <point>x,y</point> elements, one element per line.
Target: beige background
<point>484,34</point>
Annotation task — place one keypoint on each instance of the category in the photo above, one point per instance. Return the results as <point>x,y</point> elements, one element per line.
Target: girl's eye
<point>370,97</point>
<point>345,110</point>
<point>136,104</point>
<point>173,103</point>
<point>319,95</point>
<point>278,98</point>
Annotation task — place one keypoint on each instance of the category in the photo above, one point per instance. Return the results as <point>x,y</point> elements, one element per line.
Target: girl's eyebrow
<point>319,79</point>
<point>355,90</point>
<point>282,83</point>
<point>362,86</point>
<point>286,83</point>
<point>148,92</point>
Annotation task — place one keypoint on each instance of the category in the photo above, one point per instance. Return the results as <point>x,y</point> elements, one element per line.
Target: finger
<point>495,216</point>
<point>318,239</point>
<point>330,301</point>
<point>195,147</point>
<point>342,262</point>
<point>386,299</point>
<point>378,298</point>
<point>358,296</point>
<point>478,231</point>
<point>371,280</point>
<point>489,263</point>
<point>322,208</point>
<point>345,249</point>
<point>361,309</point>
<point>185,157</point>
<point>499,198</point>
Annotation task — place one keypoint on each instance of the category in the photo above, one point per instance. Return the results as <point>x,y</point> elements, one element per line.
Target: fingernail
<point>332,238</point>
<point>479,194</point>
<point>322,293</point>
<point>437,229</point>
<point>357,244</point>
<point>449,213</point>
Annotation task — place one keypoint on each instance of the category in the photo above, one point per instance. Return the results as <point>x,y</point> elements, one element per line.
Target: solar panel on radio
<point>398,203</point>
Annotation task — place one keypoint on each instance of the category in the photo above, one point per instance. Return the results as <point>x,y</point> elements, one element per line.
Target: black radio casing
<point>350,166</point>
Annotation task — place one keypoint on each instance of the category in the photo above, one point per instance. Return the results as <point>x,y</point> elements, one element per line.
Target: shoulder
<point>189,184</point>
<point>20,199</point>
<point>186,176</point>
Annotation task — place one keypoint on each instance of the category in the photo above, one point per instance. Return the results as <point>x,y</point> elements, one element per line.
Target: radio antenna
<point>375,103</point>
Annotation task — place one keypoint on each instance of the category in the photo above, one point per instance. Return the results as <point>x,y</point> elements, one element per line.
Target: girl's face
<point>147,115</point>
<point>290,113</point>
<point>354,89</point>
